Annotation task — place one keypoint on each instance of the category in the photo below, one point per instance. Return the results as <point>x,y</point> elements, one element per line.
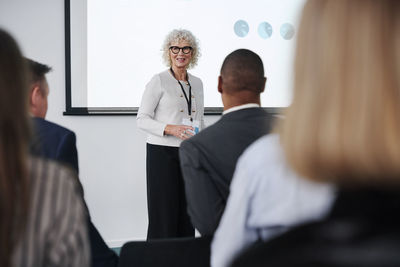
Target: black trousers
<point>166,200</point>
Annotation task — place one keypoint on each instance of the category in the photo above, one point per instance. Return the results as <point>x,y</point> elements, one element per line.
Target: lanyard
<point>188,100</point>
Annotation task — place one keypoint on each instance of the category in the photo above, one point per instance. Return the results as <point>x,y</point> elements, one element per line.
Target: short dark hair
<point>37,70</point>
<point>244,71</point>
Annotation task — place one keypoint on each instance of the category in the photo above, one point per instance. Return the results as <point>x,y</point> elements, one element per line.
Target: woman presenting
<point>171,111</point>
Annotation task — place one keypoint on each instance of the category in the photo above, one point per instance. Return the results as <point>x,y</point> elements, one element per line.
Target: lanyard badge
<point>188,99</point>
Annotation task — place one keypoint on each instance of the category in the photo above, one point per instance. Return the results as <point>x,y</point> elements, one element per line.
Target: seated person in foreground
<point>344,128</point>
<point>266,198</point>
<point>209,158</point>
<point>43,217</point>
<point>55,142</point>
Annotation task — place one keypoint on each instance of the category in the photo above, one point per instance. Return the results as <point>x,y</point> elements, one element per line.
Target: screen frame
<point>85,111</point>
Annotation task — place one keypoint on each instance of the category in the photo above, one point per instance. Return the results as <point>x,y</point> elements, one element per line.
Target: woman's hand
<point>181,131</point>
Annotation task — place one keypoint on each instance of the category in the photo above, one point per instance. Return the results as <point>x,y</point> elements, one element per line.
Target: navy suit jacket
<point>208,161</point>
<point>55,142</point>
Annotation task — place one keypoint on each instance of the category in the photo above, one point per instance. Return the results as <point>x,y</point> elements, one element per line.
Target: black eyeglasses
<point>185,49</point>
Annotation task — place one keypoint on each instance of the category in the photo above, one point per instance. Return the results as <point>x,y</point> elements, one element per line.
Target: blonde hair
<point>179,35</point>
<point>344,123</point>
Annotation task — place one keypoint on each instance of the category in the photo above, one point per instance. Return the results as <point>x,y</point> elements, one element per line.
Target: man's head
<point>242,78</point>
<point>39,89</point>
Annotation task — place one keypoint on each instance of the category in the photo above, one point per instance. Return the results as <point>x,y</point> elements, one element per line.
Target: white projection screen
<point>113,47</point>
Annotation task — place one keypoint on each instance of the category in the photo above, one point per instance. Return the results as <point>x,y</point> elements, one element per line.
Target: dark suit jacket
<point>55,142</point>
<point>208,162</point>
<point>361,230</point>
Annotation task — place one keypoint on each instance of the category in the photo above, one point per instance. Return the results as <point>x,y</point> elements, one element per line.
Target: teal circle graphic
<point>287,31</point>
<point>265,30</point>
<point>241,28</point>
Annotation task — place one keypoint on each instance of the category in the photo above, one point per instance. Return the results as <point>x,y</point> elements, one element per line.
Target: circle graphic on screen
<point>241,28</point>
<point>287,31</point>
<point>265,30</point>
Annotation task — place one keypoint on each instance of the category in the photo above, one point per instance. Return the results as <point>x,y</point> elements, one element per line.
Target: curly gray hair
<point>178,35</point>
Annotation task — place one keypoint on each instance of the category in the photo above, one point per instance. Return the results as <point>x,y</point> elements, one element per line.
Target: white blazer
<point>163,102</point>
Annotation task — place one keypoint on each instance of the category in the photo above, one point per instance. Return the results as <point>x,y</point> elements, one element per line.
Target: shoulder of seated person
<point>53,124</point>
<point>264,150</point>
<point>203,137</point>
<point>50,164</point>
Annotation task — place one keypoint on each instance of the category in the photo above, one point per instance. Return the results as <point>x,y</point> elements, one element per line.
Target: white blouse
<point>163,103</point>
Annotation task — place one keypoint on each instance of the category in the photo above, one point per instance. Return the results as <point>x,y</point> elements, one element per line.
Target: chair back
<point>176,252</point>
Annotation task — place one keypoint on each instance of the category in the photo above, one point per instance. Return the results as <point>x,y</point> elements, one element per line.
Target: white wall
<point>111,148</point>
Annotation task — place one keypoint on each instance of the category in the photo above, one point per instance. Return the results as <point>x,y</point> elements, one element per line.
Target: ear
<point>35,94</point>
<point>264,83</point>
<point>220,82</point>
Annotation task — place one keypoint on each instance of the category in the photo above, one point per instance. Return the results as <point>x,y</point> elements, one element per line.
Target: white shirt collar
<point>235,108</point>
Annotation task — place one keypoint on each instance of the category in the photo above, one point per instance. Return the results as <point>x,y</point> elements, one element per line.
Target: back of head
<point>39,88</point>
<point>37,70</point>
<point>242,70</point>
<point>344,123</point>
<point>14,134</point>
<point>13,86</point>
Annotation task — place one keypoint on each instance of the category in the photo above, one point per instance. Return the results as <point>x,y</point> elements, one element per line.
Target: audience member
<point>49,140</point>
<point>343,127</point>
<point>209,158</point>
<point>41,209</point>
<point>55,142</point>
<point>266,198</point>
